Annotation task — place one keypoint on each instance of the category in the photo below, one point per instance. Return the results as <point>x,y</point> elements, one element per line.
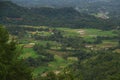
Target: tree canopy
<point>11,68</point>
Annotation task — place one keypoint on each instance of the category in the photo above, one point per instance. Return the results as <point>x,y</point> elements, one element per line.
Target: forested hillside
<point>111,7</point>
<point>62,17</point>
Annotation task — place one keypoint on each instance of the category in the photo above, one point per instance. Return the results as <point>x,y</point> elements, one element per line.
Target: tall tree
<point>11,68</point>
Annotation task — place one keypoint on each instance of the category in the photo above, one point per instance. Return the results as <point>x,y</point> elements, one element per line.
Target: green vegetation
<point>28,52</point>
<point>10,67</point>
<point>98,32</point>
<point>61,47</point>
<point>71,45</point>
<point>56,65</point>
<point>65,48</point>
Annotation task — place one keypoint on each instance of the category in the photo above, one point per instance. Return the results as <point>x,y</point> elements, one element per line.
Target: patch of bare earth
<point>82,32</point>
<point>30,45</point>
<point>55,72</point>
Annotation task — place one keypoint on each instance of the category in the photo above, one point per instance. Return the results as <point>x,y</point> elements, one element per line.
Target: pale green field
<point>28,52</point>
<point>87,34</point>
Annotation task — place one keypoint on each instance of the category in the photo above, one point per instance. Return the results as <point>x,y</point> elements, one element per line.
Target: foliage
<point>10,67</point>
<point>66,74</point>
<point>101,66</point>
<point>42,58</point>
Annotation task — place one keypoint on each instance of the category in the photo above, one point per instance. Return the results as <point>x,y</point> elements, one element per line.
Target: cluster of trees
<point>43,56</point>
<point>99,65</point>
<point>67,42</point>
<point>16,29</point>
<point>11,68</point>
<point>119,38</point>
<point>42,52</point>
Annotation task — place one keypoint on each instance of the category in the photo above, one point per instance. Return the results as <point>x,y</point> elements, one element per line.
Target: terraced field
<point>59,63</point>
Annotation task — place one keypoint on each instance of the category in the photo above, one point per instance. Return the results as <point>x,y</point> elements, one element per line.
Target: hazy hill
<point>10,9</point>
<point>111,7</point>
<point>65,17</point>
<point>54,3</point>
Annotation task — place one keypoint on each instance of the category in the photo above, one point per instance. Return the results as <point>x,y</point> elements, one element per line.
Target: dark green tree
<point>48,46</point>
<point>11,68</point>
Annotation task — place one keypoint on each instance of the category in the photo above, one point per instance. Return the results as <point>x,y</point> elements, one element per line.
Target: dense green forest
<point>57,44</point>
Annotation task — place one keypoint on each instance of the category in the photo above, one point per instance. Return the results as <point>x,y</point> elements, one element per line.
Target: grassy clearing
<point>53,44</point>
<point>28,52</point>
<point>117,50</point>
<point>97,32</point>
<point>69,32</point>
<point>89,39</point>
<point>58,64</point>
<point>87,34</point>
<point>90,34</point>
<point>107,43</point>
<point>43,33</point>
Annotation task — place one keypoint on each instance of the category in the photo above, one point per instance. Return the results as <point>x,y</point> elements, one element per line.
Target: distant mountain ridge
<point>86,6</point>
<point>54,3</point>
<point>45,16</point>
<point>112,8</point>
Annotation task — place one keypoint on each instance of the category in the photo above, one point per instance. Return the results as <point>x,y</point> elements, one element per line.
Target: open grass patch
<point>68,32</point>
<point>58,64</point>
<point>53,44</point>
<point>107,44</point>
<point>28,52</point>
<point>97,32</point>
